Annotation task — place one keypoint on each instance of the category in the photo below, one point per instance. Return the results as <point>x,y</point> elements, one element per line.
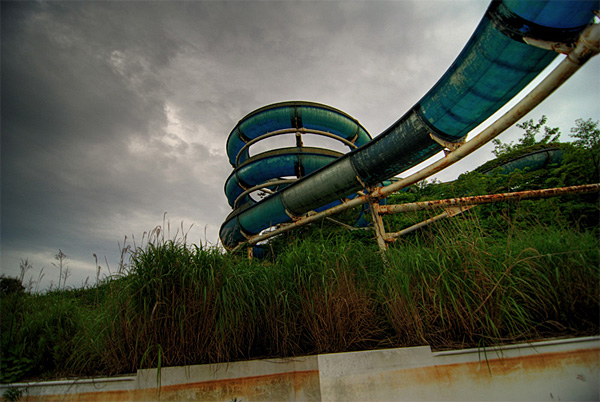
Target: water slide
<point>539,159</point>
<point>497,62</point>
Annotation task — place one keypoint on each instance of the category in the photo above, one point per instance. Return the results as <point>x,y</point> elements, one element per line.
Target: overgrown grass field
<point>497,274</point>
<point>328,290</point>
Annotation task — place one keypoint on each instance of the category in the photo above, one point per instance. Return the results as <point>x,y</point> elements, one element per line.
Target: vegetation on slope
<point>496,274</point>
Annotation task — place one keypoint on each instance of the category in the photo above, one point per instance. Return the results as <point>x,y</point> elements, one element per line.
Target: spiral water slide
<point>512,44</point>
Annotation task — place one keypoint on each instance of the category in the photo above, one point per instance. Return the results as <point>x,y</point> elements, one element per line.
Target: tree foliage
<point>532,130</point>
<point>587,140</point>
<point>10,285</point>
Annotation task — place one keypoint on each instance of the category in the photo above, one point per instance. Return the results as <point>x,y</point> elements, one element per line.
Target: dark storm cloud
<point>79,80</point>
<point>66,112</point>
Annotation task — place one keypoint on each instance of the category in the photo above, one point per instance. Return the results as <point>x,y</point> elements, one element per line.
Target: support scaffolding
<point>456,206</point>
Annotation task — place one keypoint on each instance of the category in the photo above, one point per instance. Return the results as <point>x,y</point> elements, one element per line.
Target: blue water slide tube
<point>262,168</point>
<point>492,68</point>
<point>531,161</point>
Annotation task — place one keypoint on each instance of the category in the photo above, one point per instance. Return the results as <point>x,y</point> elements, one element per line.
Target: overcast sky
<point>114,113</point>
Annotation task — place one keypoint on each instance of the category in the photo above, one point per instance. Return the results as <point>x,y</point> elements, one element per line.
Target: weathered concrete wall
<point>543,371</point>
<point>294,379</point>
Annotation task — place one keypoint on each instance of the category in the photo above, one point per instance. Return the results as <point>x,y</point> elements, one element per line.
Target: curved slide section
<point>293,115</point>
<point>495,64</point>
<point>534,160</point>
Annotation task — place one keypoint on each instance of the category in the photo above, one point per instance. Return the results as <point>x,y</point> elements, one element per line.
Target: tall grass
<point>465,287</point>
<point>326,290</point>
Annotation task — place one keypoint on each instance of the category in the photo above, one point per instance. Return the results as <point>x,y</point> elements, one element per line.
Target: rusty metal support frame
<point>456,206</point>
<point>488,199</point>
<point>379,229</point>
<point>587,46</point>
<point>378,225</point>
<point>448,213</point>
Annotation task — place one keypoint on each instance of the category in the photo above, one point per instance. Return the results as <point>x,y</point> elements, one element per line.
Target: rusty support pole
<point>378,225</point>
<point>488,199</point>
<point>379,231</point>
<point>299,142</point>
<point>448,213</point>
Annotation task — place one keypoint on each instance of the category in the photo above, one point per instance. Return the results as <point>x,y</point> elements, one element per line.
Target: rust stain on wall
<point>484,371</point>
<point>285,386</point>
<point>100,396</point>
<point>303,385</point>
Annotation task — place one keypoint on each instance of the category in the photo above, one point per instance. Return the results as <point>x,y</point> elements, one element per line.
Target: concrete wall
<point>543,371</point>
